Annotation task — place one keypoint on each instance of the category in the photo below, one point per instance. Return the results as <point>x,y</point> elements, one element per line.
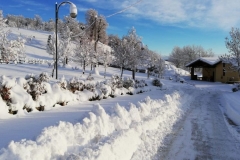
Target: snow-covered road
<point>181,122</point>
<point>202,133</point>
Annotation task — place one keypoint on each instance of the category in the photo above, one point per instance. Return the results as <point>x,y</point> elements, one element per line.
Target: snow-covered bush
<point>140,83</point>
<point>36,84</point>
<point>89,78</point>
<point>156,82</point>
<point>116,81</point>
<point>128,82</point>
<point>236,87</point>
<point>14,96</point>
<point>90,85</point>
<point>62,83</point>
<point>75,84</point>
<point>105,89</point>
<point>5,92</point>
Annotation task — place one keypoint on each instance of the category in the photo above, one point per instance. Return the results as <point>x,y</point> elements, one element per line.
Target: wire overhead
<point>124,9</point>
<point>121,11</point>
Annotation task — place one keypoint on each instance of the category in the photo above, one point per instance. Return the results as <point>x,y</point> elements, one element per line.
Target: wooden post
<point>192,73</point>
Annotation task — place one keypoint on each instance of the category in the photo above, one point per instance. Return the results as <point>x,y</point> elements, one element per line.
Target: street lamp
<point>73,14</point>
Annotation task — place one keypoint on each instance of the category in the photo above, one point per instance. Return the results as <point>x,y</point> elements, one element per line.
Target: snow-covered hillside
<point>176,121</point>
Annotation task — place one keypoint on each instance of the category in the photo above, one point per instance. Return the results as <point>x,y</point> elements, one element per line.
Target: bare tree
<point>176,57</point>
<point>181,56</point>
<point>233,46</point>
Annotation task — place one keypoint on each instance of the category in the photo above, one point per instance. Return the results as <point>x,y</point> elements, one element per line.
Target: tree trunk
<point>121,71</point>
<point>133,73</point>
<point>148,73</point>
<point>105,72</point>
<point>84,63</point>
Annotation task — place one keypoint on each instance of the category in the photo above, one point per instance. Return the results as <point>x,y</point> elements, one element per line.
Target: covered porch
<point>208,66</point>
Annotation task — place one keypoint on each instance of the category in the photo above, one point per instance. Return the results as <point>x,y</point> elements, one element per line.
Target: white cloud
<point>198,13</point>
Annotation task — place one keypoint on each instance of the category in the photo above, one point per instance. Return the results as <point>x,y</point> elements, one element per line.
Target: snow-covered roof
<point>208,60</point>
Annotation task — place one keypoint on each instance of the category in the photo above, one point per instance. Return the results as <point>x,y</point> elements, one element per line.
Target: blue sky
<point>162,24</point>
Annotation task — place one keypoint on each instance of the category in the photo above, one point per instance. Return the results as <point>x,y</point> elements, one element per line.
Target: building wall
<point>207,74</point>
<point>230,74</point>
<point>217,74</point>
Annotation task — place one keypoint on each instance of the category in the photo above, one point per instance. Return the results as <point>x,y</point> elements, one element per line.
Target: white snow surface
<point>187,120</point>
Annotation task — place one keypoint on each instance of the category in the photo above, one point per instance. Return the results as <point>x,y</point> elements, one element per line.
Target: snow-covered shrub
<point>116,81</point>
<point>104,88</point>
<point>236,87</point>
<point>11,94</point>
<point>43,77</point>
<point>5,93</point>
<point>139,86</point>
<point>36,85</point>
<point>140,83</point>
<point>156,82</point>
<point>62,83</point>
<point>5,86</point>
<point>62,96</point>
<point>177,77</point>
<point>75,84</point>
<point>128,82</point>
<point>182,80</point>
<point>90,86</point>
<point>89,78</point>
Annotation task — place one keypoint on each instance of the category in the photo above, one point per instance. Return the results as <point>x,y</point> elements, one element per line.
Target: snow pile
<point>103,133</point>
<point>232,107</point>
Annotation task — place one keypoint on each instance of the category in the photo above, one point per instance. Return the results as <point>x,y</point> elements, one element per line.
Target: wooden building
<point>213,69</point>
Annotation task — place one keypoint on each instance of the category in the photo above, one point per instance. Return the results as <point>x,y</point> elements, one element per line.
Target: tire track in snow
<point>201,133</point>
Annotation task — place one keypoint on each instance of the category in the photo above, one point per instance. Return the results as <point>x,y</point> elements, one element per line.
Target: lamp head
<point>73,10</point>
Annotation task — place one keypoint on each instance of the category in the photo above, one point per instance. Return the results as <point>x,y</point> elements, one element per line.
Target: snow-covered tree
<point>72,24</point>
<point>37,22</point>
<point>119,47</point>
<point>233,46</point>
<point>82,52</point>
<point>159,66</point>
<point>134,50</point>
<point>9,49</point>
<point>50,25</point>
<point>65,48</point>
<point>104,56</point>
<point>150,60</point>
<point>97,27</point>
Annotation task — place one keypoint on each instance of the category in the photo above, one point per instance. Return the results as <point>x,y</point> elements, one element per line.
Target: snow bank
<point>232,107</point>
<point>116,132</point>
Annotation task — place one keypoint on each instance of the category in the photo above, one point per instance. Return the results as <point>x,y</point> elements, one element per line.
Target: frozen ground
<point>193,120</point>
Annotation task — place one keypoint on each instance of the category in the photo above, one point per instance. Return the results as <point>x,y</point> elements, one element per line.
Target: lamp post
<point>73,14</point>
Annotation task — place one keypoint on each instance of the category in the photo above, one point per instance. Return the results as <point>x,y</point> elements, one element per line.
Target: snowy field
<point>177,121</point>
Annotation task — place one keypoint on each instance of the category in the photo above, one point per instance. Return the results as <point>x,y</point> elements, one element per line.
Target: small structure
<point>214,70</point>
